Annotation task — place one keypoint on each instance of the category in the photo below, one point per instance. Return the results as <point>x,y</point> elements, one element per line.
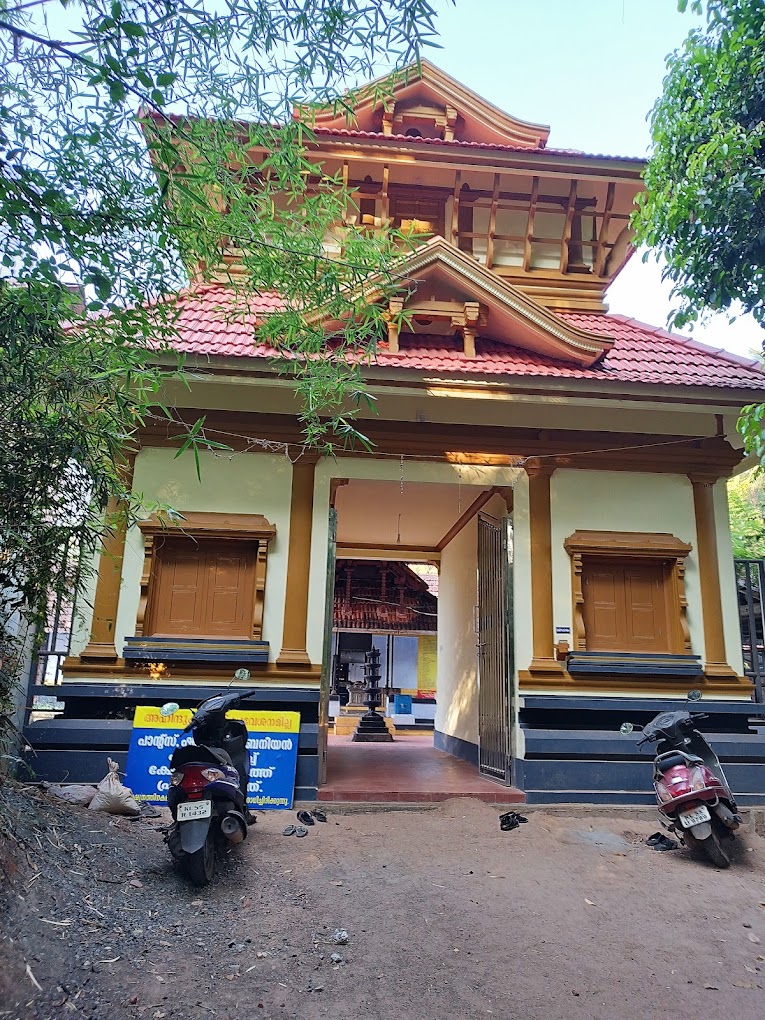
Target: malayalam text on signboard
<point>272,743</point>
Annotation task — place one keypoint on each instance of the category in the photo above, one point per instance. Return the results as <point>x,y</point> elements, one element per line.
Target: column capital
<point>706,478</point>
<point>334,485</point>
<point>537,467</point>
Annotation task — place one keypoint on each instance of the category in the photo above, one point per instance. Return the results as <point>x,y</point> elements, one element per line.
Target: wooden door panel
<point>646,615</point>
<point>419,204</point>
<point>178,591</point>
<point>230,583</point>
<point>603,608</point>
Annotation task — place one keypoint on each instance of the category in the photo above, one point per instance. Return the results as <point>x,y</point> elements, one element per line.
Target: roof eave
<point>648,391</point>
<point>623,167</point>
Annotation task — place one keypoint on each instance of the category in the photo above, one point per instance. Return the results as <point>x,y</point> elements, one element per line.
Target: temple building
<point>564,468</point>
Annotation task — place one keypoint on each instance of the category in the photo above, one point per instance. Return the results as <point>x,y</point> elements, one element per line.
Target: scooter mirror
<point>242,674</point>
<point>626,727</point>
<point>694,695</point>
<point>169,708</point>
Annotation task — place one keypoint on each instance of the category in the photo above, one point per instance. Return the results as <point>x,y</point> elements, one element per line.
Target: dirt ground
<point>447,917</point>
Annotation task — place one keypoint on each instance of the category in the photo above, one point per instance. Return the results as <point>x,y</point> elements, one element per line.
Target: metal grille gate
<point>750,587</point>
<point>495,665</point>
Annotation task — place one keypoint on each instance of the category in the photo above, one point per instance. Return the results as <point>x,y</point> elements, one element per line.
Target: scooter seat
<point>199,753</point>
<point>667,762</point>
<point>670,759</point>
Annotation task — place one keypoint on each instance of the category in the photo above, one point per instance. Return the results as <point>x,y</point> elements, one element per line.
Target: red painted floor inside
<point>409,769</point>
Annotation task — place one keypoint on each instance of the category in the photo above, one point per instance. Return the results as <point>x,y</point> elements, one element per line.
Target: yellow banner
<point>267,722</point>
<point>149,717</point>
<point>427,659</point>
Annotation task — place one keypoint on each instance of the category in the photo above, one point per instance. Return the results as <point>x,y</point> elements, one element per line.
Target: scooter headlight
<point>176,777</point>
<point>213,775</point>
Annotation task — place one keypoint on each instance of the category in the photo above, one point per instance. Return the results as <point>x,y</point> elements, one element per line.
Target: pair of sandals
<point>306,818</point>
<point>661,842</point>
<point>511,820</point>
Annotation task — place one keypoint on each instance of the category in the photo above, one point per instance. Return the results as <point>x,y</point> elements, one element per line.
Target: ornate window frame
<point>197,525</point>
<point>631,545</point>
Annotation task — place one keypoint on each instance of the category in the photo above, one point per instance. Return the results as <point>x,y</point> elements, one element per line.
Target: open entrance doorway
<point>422,574</point>
<point>389,606</point>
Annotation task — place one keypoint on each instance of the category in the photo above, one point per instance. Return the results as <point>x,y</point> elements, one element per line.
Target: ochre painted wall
<point>521,574</point>
<point>244,483</point>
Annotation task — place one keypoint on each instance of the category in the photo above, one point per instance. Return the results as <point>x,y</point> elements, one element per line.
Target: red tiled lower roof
<point>459,143</point>
<point>207,325</point>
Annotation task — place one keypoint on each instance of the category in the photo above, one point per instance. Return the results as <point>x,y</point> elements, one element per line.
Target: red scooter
<point>690,785</point>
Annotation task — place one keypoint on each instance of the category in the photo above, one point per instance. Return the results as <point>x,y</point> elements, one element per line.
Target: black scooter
<point>208,786</point>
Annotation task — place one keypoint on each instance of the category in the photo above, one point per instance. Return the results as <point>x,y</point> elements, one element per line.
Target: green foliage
<point>126,152</point>
<point>127,129</point>
<point>704,204</point>
<point>70,402</point>
<point>746,505</point>
<point>703,209</point>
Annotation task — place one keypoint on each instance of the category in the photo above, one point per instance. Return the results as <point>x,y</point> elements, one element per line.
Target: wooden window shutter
<point>203,588</point>
<point>625,607</point>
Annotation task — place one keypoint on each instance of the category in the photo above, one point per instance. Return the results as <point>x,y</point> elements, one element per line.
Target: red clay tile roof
<point>641,353</point>
<point>491,146</point>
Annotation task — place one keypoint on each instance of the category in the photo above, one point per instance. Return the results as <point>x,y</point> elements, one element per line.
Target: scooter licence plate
<point>695,816</point>
<point>192,809</point>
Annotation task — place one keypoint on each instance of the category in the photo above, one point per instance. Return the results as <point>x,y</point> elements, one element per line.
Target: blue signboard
<point>272,743</point>
<point>402,704</point>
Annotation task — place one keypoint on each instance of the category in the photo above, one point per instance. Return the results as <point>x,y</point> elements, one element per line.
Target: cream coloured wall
<point>244,483</point>
<point>621,501</point>
<point>450,401</point>
<point>457,670</point>
<point>457,667</point>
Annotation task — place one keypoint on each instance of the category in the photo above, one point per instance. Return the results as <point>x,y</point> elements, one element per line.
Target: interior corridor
<point>409,769</point>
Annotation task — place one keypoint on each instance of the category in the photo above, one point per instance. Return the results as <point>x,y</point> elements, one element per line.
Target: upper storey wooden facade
<point>428,156</point>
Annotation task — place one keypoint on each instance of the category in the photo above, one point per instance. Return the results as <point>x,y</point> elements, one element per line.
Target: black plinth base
<point>372,729</point>
<point>372,738</point>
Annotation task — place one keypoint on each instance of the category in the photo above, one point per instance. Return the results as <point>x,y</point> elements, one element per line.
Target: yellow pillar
<point>100,646</point>
<point>715,658</point>
<point>543,662</point>
<point>293,651</point>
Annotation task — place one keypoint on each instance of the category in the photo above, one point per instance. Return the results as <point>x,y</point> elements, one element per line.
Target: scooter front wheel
<point>200,865</point>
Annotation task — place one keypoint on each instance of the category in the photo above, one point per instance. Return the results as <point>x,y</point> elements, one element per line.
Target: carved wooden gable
<point>423,101</point>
